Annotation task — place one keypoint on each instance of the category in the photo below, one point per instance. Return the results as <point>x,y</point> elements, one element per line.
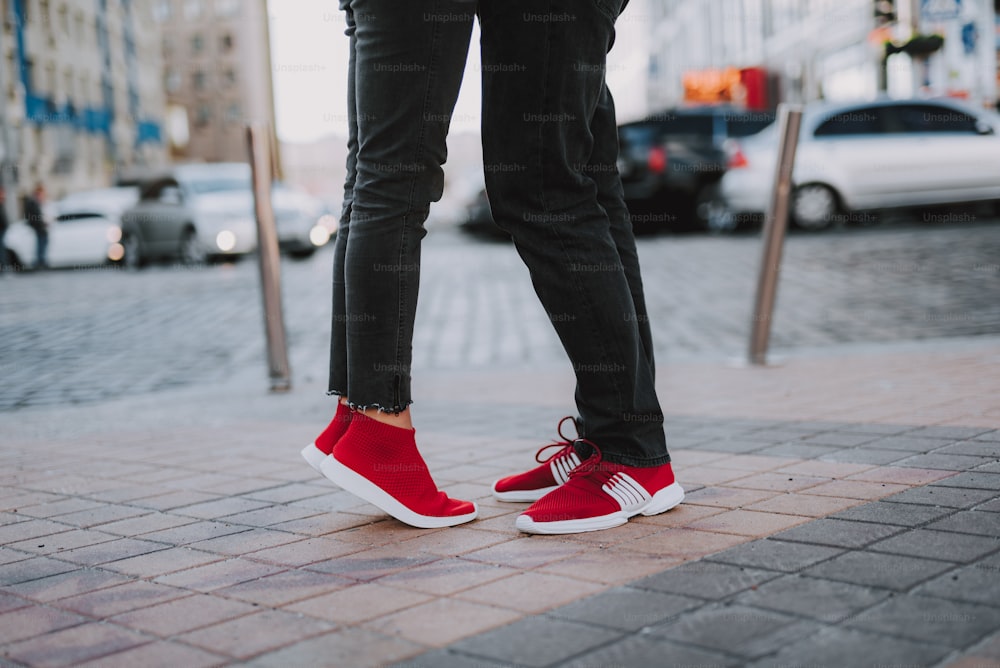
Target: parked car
<point>871,155</point>
<point>76,239</point>
<point>191,213</point>
<point>304,222</point>
<point>107,202</point>
<point>671,163</point>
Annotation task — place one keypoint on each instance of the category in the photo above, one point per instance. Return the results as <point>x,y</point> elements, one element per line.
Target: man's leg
<point>42,251</point>
<point>543,83</point>
<point>603,168</point>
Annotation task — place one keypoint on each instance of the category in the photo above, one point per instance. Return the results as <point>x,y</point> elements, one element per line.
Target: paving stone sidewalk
<point>183,528</point>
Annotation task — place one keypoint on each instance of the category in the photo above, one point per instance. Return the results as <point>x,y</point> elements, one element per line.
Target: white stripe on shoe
<point>563,466</point>
<point>626,491</point>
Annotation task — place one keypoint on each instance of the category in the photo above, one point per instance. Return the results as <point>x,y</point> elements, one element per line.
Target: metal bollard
<point>775,225</point>
<point>260,145</point>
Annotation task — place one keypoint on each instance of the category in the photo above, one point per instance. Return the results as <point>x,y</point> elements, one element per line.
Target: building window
<point>50,79</point>
<point>226,42</point>
<point>197,43</point>
<point>234,112</point>
<point>193,9</point>
<point>163,11</point>
<point>64,19</point>
<point>12,77</point>
<point>31,74</point>
<point>173,80</point>
<point>229,77</point>
<point>44,17</point>
<point>203,114</point>
<point>200,80</point>
<point>168,48</point>
<point>68,85</point>
<point>227,8</point>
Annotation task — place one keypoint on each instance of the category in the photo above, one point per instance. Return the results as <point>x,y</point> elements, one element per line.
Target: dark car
<point>671,163</point>
<point>478,220</point>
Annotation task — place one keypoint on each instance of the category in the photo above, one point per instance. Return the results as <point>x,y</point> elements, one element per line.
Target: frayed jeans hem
<point>395,410</point>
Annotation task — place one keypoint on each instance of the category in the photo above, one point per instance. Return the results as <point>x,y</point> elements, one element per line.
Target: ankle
<point>400,420</point>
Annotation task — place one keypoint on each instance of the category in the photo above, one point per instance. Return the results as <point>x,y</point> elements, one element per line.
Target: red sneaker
<point>317,451</point>
<point>539,481</point>
<point>380,464</point>
<point>600,495</point>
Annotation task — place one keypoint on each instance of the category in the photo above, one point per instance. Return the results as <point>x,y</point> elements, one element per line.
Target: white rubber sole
<point>667,498</point>
<point>314,456</point>
<point>361,487</point>
<point>521,495</point>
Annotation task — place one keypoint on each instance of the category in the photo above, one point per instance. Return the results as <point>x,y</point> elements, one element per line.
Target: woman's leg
<point>408,61</point>
<point>410,58</point>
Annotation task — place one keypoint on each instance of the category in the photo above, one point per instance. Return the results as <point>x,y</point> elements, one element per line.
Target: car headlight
<point>116,252</point>
<point>319,235</point>
<point>114,234</point>
<point>225,240</point>
<point>329,221</point>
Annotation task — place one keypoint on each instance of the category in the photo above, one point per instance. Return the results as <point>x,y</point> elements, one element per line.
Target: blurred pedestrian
<point>552,117</point>
<point>4,223</point>
<point>406,64</point>
<point>35,217</point>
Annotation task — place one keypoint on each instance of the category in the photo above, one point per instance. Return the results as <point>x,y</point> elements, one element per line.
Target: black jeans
<point>406,64</point>
<point>550,148</point>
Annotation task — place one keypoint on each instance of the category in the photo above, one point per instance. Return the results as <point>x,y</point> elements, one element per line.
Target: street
<point>93,334</point>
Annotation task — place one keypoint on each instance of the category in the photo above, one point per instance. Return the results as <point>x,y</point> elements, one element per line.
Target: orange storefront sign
<point>745,87</point>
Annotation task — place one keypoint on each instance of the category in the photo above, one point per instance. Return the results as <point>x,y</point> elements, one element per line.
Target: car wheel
<point>133,252</point>
<point>813,206</point>
<point>302,254</point>
<point>11,261</point>
<point>192,251</point>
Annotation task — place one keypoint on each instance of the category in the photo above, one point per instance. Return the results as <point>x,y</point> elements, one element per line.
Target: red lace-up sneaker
<point>539,481</point>
<point>317,451</point>
<point>380,464</point>
<point>600,495</point>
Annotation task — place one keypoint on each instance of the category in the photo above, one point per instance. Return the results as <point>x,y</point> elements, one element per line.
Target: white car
<point>75,240</point>
<point>870,155</point>
<point>107,202</point>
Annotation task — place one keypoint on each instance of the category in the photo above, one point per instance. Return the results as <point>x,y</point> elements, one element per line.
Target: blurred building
<point>756,53</point>
<point>217,76</point>
<point>82,97</point>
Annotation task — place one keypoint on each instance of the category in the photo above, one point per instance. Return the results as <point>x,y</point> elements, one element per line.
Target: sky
<point>309,54</point>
